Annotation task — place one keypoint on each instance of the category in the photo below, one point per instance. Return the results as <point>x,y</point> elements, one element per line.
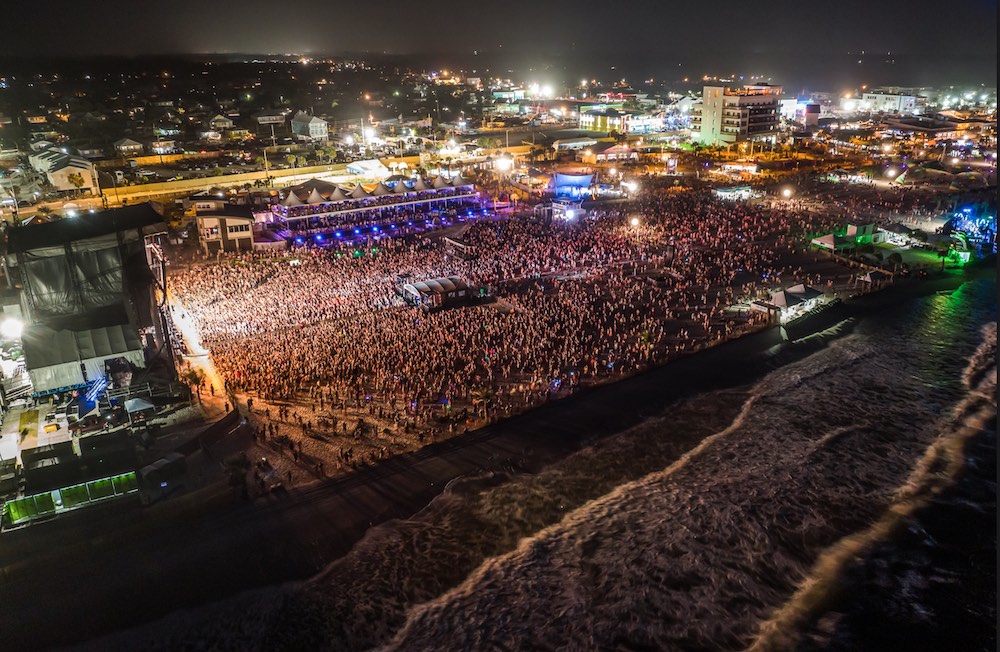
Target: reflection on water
<point>651,539</point>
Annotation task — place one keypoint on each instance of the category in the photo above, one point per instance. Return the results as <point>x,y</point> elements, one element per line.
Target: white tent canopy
<point>828,242</point>
<point>371,168</point>
<point>338,194</point>
<point>291,200</point>
<point>137,405</point>
<point>315,197</point>
<point>359,192</point>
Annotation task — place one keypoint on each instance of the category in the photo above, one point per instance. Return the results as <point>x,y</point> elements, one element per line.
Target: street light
<point>634,221</point>
<point>786,193</point>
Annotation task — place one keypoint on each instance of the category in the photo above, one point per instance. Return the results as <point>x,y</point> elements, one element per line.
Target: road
<point>112,567</point>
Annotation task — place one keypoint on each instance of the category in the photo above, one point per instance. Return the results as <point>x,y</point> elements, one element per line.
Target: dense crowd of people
<point>577,302</point>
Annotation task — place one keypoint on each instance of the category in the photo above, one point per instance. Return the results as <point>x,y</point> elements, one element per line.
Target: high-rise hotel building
<point>728,116</point>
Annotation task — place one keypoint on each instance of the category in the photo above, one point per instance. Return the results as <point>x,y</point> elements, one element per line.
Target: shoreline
<point>254,546</point>
<point>287,599</point>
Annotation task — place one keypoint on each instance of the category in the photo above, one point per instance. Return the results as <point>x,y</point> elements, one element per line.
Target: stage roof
<point>84,227</point>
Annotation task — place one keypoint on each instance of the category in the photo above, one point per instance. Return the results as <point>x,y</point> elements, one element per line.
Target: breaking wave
<point>714,525</point>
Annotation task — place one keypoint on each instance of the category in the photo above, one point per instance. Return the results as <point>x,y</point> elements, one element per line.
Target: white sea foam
<point>688,531</point>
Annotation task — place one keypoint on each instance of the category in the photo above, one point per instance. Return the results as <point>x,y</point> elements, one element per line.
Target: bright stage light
<point>11,329</point>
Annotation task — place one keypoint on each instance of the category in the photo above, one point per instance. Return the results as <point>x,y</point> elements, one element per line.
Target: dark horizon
<point>646,40</point>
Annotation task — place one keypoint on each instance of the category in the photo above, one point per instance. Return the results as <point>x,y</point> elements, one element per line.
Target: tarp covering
<point>83,227</point>
<point>74,280</point>
<point>54,358</point>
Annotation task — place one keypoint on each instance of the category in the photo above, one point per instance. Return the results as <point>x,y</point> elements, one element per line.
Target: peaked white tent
<point>315,197</point>
<point>420,185</point>
<point>441,182</point>
<point>338,194</point>
<point>359,192</point>
<point>291,200</point>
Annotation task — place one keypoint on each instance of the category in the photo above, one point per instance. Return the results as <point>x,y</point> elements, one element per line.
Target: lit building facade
<point>888,102</point>
<point>728,116</point>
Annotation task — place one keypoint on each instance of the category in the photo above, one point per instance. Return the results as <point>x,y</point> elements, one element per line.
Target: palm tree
<point>481,395</point>
<point>77,180</point>
<point>194,378</point>
<point>943,255</point>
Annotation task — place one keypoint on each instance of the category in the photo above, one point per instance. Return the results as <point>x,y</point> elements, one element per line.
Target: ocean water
<point>751,518</point>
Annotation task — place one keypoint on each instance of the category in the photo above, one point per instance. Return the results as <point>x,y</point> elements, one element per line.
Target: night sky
<point>731,33</point>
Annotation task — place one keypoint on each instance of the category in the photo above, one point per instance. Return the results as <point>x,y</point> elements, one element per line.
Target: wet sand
<point>206,552</point>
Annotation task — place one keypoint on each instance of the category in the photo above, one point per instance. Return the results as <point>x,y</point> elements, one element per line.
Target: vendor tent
<point>138,405</point>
